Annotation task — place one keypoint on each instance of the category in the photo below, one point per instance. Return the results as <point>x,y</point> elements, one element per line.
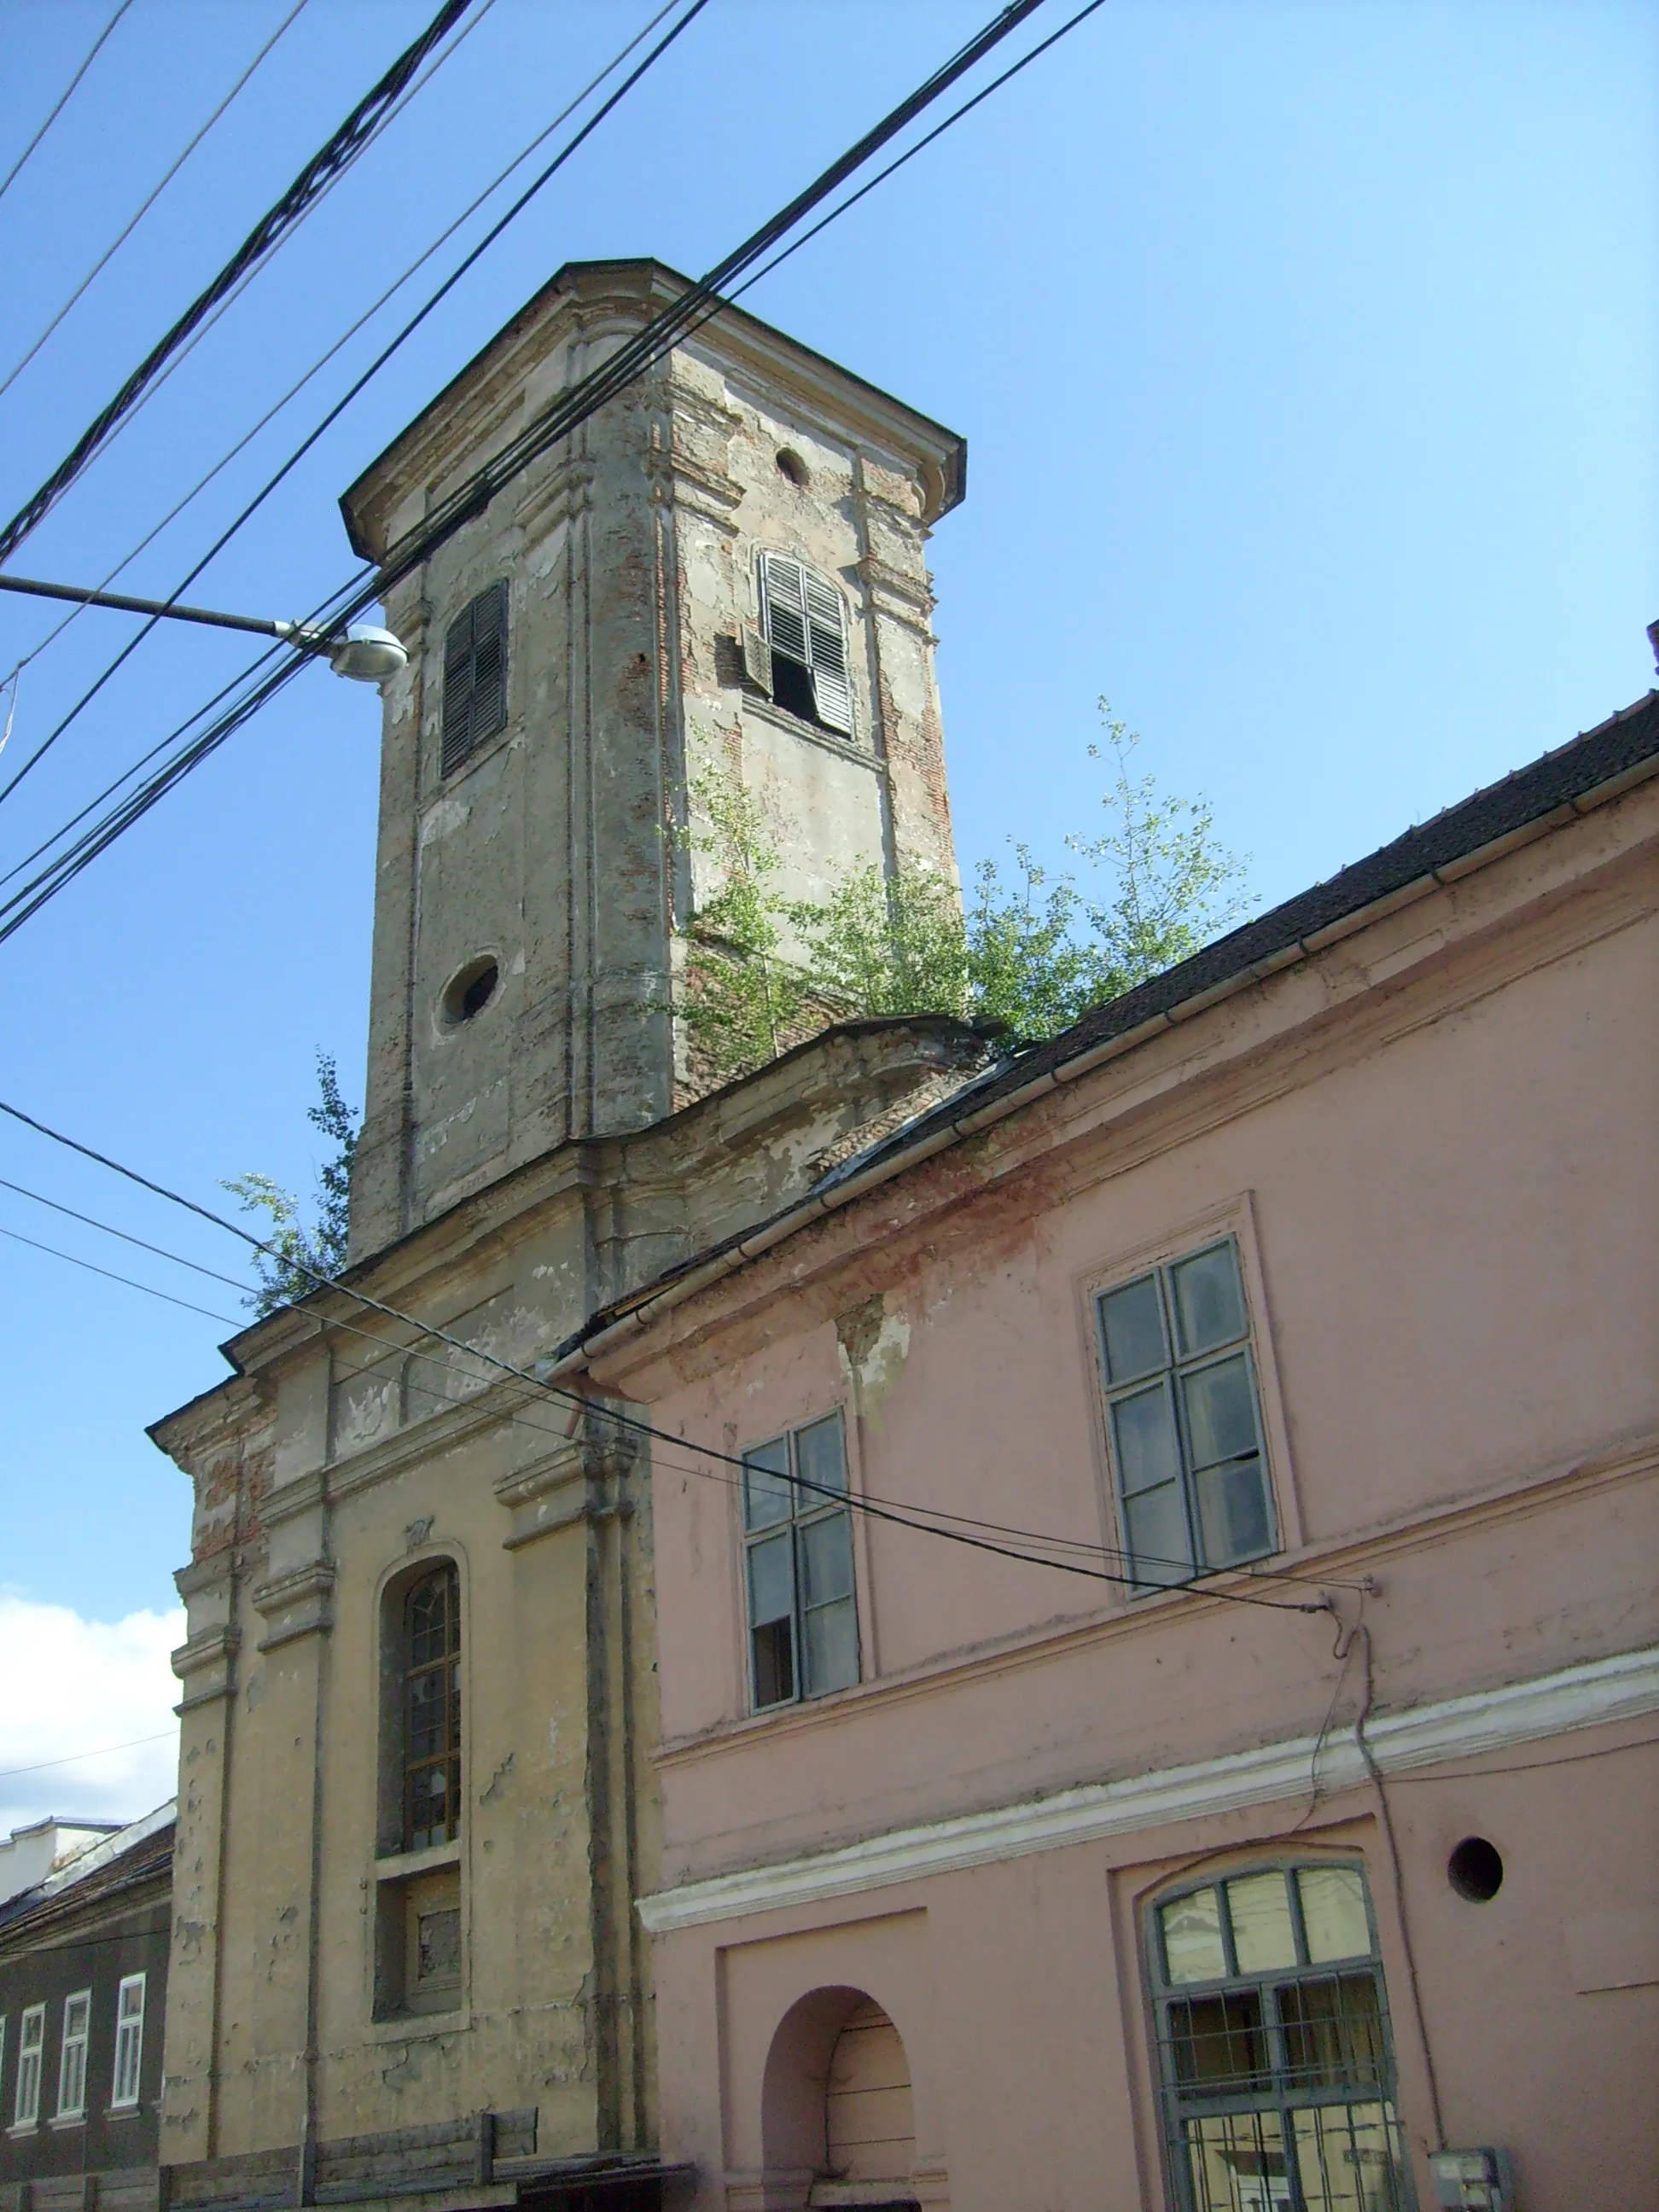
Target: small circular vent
<point>791,465</point>
<point>469,991</point>
<point>1475,1870</point>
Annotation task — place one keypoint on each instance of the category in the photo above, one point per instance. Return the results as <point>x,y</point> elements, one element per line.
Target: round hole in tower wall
<point>1475,1870</point>
<point>790,465</point>
<point>470,990</point>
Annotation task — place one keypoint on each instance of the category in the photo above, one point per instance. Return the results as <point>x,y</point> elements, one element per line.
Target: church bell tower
<point>722,569</point>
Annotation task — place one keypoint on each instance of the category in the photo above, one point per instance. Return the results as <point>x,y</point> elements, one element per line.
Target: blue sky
<point>1306,356</point>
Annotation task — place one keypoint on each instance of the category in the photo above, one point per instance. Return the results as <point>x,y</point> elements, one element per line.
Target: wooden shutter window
<point>805,621</point>
<point>827,637</point>
<point>475,676</point>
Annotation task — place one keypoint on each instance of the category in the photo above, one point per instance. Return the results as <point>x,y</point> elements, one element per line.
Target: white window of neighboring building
<point>129,2042</point>
<point>31,2040</point>
<point>798,1566</point>
<point>1183,1417</point>
<point>1275,2060</point>
<point>803,623</point>
<point>72,2058</point>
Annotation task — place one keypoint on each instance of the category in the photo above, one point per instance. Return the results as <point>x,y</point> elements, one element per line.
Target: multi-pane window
<point>1277,2074</point>
<point>797,1566</point>
<point>129,2042</point>
<point>1185,1422</point>
<point>804,621</point>
<point>432,1711</point>
<point>475,676</point>
<point>31,2042</point>
<point>72,2057</point>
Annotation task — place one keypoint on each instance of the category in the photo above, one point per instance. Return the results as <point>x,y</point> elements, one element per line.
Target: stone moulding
<point>206,1664</point>
<point>1591,1695</point>
<point>299,1603</point>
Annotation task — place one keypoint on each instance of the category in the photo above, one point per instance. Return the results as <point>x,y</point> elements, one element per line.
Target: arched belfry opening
<point>837,2103</point>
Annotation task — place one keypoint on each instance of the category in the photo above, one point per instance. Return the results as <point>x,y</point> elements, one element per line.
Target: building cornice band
<point>1588,1696</point>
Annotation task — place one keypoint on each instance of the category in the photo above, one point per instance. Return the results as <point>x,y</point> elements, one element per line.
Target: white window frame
<point>1180,1365</point>
<point>73,2046</point>
<point>31,2055</point>
<point>811,1508</point>
<point>819,625</point>
<point>127,2072</point>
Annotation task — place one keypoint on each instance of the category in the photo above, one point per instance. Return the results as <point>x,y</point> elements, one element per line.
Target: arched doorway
<point>837,2113</point>
<point>869,2123</point>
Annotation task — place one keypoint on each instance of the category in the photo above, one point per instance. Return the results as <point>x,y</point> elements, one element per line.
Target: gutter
<point>826,1201</point>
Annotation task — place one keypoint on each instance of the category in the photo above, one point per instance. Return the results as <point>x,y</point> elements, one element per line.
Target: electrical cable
<point>74,1759</point>
<point>388,1345</point>
<point>921,146</point>
<point>112,250</point>
<point>343,148</point>
<point>392,1346</point>
<point>92,1268</point>
<point>896,1513</point>
<point>108,1229</point>
<point>248,278</point>
<point>651,343</point>
<point>1361,1634</point>
<point>11,176</point>
<point>552,168</point>
<point>368,315</point>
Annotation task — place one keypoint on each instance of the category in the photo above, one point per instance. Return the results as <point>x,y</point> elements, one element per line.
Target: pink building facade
<point>1158,1645</point>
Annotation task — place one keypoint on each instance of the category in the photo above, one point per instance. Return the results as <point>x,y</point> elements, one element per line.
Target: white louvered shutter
<point>806,622</point>
<point>756,661</point>
<point>786,607</point>
<point>827,637</point>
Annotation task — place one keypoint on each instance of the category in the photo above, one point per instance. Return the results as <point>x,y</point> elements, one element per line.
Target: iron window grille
<point>129,2042</point>
<point>798,1566</point>
<point>432,1711</point>
<point>1275,2057</point>
<point>475,678</point>
<point>72,2058</point>
<point>799,657</point>
<point>31,2045</point>
<point>1184,1419</point>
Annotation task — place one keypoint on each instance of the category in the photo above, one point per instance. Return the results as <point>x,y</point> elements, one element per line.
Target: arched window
<point>801,656</point>
<point>431,1710</point>
<point>1276,2066</point>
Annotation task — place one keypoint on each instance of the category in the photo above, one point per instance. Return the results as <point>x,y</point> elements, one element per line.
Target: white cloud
<point>85,1686</point>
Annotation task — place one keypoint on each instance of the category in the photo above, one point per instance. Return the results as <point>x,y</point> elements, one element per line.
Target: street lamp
<point>366,652</point>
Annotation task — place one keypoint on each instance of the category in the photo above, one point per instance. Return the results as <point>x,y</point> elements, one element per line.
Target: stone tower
<point>727,564</point>
<point>418,1805</point>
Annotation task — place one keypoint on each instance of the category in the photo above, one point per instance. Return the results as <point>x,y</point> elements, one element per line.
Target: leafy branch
<point>298,1254</point>
<point>1025,951</point>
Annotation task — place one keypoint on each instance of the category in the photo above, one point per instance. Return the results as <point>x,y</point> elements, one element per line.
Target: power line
<point>650,344</point>
<point>392,1345</point>
<point>75,1758</point>
<point>368,315</point>
<point>120,240</point>
<point>339,152</point>
<point>109,1229</point>
<point>897,1513</point>
<point>921,146</point>
<point>565,153</point>
<point>109,1275</point>
<point>249,277</point>
<point>63,97</point>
